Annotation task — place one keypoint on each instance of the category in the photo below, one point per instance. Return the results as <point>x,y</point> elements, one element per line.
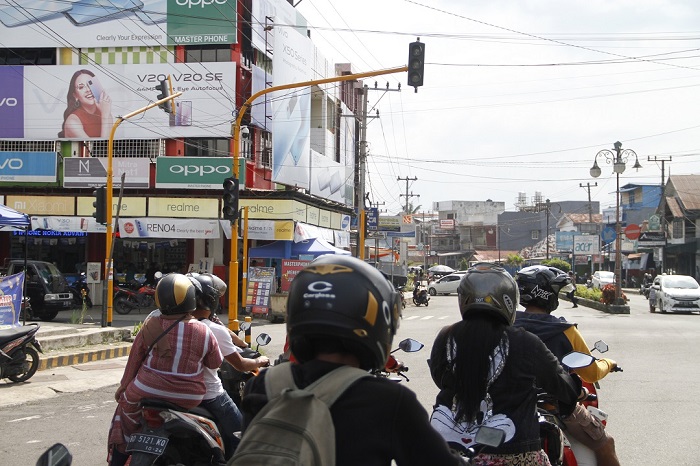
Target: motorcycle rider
<point>487,372</point>
<point>216,400</point>
<point>166,362</point>
<point>539,287</point>
<point>341,311</point>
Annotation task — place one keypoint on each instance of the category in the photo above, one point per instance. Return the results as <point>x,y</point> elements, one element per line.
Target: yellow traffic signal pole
<point>109,275</point>
<point>233,264</point>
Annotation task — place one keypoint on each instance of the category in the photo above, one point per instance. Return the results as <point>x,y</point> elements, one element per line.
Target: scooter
<point>80,291</point>
<point>233,380</point>
<point>421,296</point>
<point>394,366</point>
<point>126,300</point>
<point>400,290</point>
<point>19,353</point>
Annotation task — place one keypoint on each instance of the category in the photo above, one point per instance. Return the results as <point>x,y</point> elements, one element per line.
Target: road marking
<point>24,419</point>
<point>411,317</point>
<point>426,317</point>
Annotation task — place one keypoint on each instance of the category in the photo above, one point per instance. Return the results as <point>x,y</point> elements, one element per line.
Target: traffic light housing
<point>416,64</point>
<point>230,199</point>
<point>165,91</point>
<point>100,205</point>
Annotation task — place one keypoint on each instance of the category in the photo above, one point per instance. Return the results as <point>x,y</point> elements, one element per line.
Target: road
<point>652,404</point>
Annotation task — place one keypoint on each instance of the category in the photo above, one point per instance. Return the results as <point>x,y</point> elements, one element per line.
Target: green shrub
<point>593,294</point>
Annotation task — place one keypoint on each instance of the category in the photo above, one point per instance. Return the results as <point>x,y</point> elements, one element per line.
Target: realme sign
<point>274,209</point>
<point>183,208</point>
<point>131,206</point>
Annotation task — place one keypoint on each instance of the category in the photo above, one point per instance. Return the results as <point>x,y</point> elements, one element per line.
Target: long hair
<point>70,99</point>
<point>475,339</point>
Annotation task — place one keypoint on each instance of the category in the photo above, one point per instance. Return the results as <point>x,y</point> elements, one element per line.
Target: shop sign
<point>652,238</point>
<point>183,207</point>
<point>337,220</point>
<point>263,229</point>
<point>176,228</point>
<point>274,209</point>
<point>28,167</point>
<point>68,224</point>
<point>312,215</point>
<point>131,206</point>
<point>324,218</point>
<point>42,205</point>
<point>565,240</point>
<point>586,244</point>
<point>290,269</point>
<point>90,172</point>
<point>193,172</point>
<point>390,223</point>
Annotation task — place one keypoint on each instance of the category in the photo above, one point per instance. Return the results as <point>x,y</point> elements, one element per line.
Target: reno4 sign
<point>192,172</point>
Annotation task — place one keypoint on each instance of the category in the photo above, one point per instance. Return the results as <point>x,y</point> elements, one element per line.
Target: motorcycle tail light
<point>210,428</point>
<point>152,417</point>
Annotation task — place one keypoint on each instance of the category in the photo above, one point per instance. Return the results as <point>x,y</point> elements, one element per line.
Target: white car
<point>602,278</point>
<point>674,293</point>
<point>445,285</point>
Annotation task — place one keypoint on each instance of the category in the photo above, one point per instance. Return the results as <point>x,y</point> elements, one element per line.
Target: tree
<point>514,260</point>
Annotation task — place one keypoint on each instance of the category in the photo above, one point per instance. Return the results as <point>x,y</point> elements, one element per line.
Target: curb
<point>81,357</point>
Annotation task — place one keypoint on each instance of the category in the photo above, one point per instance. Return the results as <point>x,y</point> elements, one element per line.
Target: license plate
<point>68,304</point>
<point>147,444</point>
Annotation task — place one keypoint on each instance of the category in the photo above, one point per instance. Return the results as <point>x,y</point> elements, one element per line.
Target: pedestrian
<point>572,293</point>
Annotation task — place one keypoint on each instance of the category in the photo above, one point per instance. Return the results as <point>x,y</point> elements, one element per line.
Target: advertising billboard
<point>81,102</point>
<point>331,180</point>
<point>28,167</point>
<point>113,23</point>
<point>266,13</point>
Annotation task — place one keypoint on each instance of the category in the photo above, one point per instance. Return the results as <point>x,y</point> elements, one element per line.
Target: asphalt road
<point>652,405</point>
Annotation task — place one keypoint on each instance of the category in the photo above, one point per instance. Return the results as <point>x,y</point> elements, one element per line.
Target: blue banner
<point>11,299</point>
<point>28,167</point>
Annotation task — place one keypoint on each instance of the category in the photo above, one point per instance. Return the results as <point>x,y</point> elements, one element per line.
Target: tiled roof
<point>583,218</point>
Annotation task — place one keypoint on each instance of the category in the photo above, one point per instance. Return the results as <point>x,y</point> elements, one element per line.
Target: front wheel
<point>47,316</point>
<point>29,365</point>
<point>432,291</point>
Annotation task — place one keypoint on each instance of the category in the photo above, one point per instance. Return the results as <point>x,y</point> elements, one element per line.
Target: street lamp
<point>618,159</point>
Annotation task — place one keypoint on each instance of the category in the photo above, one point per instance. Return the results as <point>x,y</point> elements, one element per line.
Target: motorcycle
<point>19,353</point>
<point>394,366</point>
<point>233,380</point>
<point>126,300</point>
<point>561,449</point>
<point>420,296</point>
<point>80,289</point>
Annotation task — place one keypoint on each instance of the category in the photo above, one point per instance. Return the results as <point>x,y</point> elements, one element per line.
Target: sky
<point>520,96</point>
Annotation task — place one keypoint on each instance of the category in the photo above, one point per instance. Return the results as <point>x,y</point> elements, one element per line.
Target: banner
<point>68,224</point>
<point>110,23</point>
<point>11,300</point>
<point>196,228</point>
<point>81,102</point>
<point>331,180</point>
<point>260,281</point>
<point>193,172</point>
<point>90,172</point>
<point>28,167</point>
<point>290,269</point>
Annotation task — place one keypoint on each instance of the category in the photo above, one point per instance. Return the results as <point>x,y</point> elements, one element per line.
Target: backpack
<point>295,426</point>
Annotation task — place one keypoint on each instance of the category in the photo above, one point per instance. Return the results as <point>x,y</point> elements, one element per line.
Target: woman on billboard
<point>89,110</point>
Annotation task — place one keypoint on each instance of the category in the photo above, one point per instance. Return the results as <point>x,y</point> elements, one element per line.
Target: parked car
<point>47,288</point>
<point>669,293</point>
<point>602,278</point>
<point>445,285</point>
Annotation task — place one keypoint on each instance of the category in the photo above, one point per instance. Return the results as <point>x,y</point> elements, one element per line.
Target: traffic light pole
<point>233,264</point>
<point>109,275</point>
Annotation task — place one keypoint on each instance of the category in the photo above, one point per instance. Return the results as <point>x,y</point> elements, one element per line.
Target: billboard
<point>265,13</point>
<point>75,102</point>
<point>113,23</point>
<point>331,180</point>
<point>28,167</point>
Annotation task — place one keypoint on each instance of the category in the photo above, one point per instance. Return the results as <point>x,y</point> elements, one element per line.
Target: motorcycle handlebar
<point>617,369</point>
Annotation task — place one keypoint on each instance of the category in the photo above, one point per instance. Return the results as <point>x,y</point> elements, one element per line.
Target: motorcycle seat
<point>7,335</point>
<point>156,403</point>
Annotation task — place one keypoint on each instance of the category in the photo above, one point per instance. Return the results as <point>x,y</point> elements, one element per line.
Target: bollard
<point>246,337</point>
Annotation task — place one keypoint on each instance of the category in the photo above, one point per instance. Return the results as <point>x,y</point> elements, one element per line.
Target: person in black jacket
<point>342,311</point>
<point>487,372</point>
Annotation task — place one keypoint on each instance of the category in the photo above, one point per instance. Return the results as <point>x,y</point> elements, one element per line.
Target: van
<point>47,288</point>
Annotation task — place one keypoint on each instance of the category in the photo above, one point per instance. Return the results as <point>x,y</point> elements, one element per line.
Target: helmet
<point>488,288</point>
<point>540,285</point>
<point>210,289</point>
<point>343,301</point>
<point>175,294</point>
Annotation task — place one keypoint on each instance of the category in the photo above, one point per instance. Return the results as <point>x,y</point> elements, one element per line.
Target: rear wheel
<point>29,366</point>
<point>47,316</point>
<point>432,291</point>
<point>121,306</point>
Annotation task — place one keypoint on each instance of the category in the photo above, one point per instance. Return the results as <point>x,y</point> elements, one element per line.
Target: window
<point>150,148</point>
<point>535,234</point>
<point>263,153</point>
<point>678,228</point>
<point>207,53</point>
<point>29,146</point>
<point>201,147</point>
<point>28,56</point>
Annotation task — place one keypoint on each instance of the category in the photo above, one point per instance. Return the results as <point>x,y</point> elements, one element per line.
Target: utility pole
<point>407,195</point>
<point>376,235</point>
<point>663,217</point>
<point>588,187</point>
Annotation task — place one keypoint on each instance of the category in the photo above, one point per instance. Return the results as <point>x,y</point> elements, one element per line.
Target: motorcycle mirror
<point>576,360</point>
<point>244,326</point>
<point>57,455</point>
<point>489,436</point>
<point>410,345</point>
<point>158,275</point>
<point>263,339</point>
<point>601,346</point>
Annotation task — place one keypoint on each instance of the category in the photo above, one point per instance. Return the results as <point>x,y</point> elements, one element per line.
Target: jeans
<point>228,419</point>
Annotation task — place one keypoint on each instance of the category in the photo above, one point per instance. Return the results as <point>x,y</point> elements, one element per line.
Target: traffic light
<point>100,205</point>
<point>416,63</point>
<point>230,198</point>
<point>165,91</point>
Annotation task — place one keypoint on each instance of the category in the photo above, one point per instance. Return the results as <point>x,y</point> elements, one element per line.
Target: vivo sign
<point>28,167</point>
<point>8,102</point>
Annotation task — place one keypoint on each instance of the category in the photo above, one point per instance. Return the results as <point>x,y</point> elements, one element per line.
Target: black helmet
<point>488,288</point>
<point>540,285</point>
<point>175,294</point>
<point>346,303</point>
<point>210,289</point>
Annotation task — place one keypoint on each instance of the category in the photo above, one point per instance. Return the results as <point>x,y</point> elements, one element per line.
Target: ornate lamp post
<point>618,159</point>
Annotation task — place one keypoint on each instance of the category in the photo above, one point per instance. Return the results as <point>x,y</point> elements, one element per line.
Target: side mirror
<point>489,436</point>
<point>244,326</point>
<point>263,339</point>
<point>57,455</point>
<point>158,275</point>
<point>410,345</point>
<point>601,346</point>
<point>576,360</point>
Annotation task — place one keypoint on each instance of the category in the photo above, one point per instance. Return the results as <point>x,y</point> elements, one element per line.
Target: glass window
<point>207,53</point>
<point>28,56</point>
<point>678,228</point>
<point>203,147</point>
<point>535,234</point>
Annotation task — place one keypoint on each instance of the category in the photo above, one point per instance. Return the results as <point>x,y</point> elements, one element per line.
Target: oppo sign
<point>199,3</point>
<point>199,170</point>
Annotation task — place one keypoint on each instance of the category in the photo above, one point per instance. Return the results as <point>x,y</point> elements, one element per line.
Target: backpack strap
<point>327,388</point>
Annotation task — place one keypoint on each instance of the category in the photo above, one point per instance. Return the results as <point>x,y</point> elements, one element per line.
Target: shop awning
<point>278,249</point>
<point>10,218</point>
